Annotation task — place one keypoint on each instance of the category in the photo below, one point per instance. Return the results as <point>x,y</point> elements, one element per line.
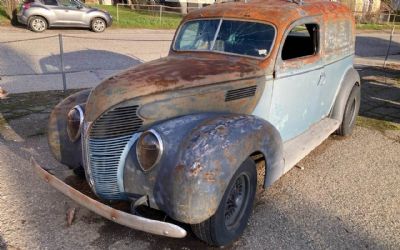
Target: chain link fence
<point>156,10</point>
<point>381,17</point>
<point>66,61</point>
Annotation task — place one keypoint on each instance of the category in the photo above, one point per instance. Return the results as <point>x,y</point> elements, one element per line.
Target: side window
<point>302,40</point>
<point>50,2</point>
<point>68,3</point>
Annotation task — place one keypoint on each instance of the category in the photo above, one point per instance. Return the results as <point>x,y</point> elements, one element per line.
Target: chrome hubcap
<point>38,24</point>
<point>99,25</point>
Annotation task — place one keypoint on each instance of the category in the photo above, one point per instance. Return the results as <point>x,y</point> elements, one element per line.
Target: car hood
<point>168,74</point>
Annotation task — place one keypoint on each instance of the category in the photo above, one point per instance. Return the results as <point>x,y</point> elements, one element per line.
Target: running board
<point>300,146</point>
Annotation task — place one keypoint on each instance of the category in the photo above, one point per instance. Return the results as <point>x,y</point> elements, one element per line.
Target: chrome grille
<point>107,140</point>
<point>117,122</point>
<point>235,94</point>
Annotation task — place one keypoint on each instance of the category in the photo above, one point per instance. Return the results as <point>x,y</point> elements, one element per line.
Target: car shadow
<point>380,93</point>
<point>85,68</point>
<point>367,46</point>
<point>87,60</point>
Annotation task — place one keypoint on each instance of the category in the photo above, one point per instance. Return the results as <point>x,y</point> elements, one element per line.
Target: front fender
<point>65,151</point>
<point>202,154</point>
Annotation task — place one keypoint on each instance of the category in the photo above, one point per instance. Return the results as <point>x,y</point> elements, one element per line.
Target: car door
<point>298,75</point>
<point>69,12</point>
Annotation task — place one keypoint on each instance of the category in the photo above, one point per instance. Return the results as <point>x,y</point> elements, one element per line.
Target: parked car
<point>38,15</point>
<point>267,80</point>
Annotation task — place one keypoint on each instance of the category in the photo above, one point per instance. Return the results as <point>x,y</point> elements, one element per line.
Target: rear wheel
<point>37,24</point>
<point>350,112</point>
<point>98,25</point>
<point>234,210</point>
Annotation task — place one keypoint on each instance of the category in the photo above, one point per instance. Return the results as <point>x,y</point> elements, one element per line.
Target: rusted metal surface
<point>172,73</point>
<point>120,217</point>
<point>63,149</point>
<point>186,98</point>
<point>192,175</point>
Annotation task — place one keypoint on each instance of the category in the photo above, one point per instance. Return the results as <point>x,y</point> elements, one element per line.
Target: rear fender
<point>350,79</point>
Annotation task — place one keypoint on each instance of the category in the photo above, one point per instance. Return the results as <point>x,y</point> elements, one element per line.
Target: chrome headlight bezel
<point>74,136</point>
<point>139,147</point>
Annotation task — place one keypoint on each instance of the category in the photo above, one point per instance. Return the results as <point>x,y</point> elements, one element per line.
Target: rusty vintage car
<point>267,80</point>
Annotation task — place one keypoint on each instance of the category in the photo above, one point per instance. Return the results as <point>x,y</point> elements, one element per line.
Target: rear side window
<point>50,2</point>
<point>303,40</point>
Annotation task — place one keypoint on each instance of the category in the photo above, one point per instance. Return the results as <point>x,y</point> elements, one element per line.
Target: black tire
<point>230,219</point>
<point>350,112</point>
<point>80,172</point>
<point>37,24</point>
<point>98,25</point>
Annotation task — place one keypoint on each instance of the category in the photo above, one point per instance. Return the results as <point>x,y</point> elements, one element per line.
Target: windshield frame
<point>221,19</point>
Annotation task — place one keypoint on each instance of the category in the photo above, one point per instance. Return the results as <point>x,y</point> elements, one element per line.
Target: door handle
<point>322,79</point>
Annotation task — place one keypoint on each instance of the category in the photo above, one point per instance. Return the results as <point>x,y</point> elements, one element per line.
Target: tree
<point>9,6</point>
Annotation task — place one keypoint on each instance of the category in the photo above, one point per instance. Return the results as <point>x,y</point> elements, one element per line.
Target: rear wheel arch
<point>350,79</point>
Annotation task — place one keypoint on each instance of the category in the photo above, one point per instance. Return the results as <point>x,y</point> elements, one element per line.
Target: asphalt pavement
<point>89,57</point>
<point>344,195</point>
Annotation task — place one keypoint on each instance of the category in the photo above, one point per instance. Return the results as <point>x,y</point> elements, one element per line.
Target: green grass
<point>380,125</point>
<point>374,26</point>
<point>141,19</point>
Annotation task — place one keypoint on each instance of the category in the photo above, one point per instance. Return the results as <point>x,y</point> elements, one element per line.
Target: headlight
<point>74,122</point>
<point>149,148</point>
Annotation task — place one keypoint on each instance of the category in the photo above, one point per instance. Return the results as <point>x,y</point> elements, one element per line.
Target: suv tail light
<point>26,6</point>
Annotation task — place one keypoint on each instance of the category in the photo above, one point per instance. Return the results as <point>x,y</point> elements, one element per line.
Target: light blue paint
<point>294,100</point>
<point>263,106</point>
<point>335,72</point>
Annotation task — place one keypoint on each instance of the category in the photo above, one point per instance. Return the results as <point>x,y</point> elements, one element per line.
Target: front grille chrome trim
<point>107,142</point>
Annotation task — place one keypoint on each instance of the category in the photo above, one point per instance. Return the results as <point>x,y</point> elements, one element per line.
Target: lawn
<point>374,26</point>
<point>141,19</point>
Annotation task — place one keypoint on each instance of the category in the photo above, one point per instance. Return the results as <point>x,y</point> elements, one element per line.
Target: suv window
<point>68,3</point>
<point>50,2</point>
<point>303,40</point>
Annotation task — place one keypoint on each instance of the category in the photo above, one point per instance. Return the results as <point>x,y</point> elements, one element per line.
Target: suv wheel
<point>37,24</point>
<point>232,215</point>
<point>98,25</point>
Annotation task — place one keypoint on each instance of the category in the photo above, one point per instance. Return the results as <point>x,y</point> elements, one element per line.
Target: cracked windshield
<point>237,37</point>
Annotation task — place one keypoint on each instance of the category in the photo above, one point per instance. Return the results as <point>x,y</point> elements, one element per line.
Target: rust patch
<point>209,177</point>
<point>195,169</point>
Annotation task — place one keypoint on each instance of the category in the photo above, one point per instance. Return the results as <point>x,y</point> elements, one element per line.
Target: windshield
<point>230,36</point>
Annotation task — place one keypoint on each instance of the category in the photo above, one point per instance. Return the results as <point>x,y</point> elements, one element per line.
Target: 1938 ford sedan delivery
<point>269,79</point>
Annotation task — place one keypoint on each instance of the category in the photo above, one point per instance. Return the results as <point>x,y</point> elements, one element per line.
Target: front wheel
<point>98,25</point>
<point>234,210</point>
<point>350,112</point>
<point>37,24</point>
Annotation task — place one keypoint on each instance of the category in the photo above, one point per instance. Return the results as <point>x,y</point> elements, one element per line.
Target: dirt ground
<point>345,195</point>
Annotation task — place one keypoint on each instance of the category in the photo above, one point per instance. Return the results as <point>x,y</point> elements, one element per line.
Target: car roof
<point>278,12</point>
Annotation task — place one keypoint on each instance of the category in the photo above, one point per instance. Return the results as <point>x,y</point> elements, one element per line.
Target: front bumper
<point>118,216</point>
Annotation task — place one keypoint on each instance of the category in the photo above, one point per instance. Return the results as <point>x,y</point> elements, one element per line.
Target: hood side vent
<point>240,93</point>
